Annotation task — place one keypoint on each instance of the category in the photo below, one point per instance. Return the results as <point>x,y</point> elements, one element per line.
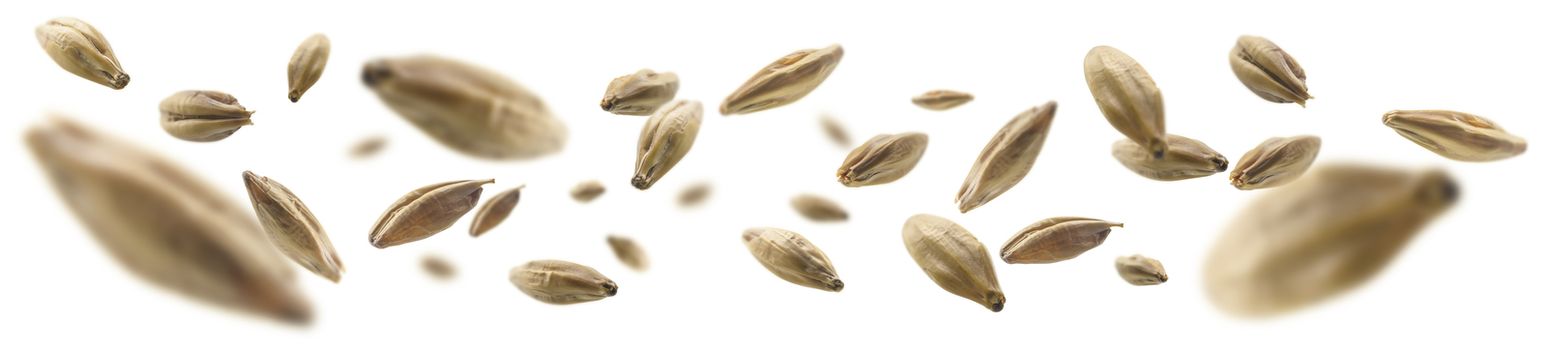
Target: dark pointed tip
<point>1449,190</point>
<point>374,73</point>
<point>294,97</point>
<point>640,182</point>
<point>1220,164</point>
<point>121,81</point>
<point>296,315</point>
<point>611,288</point>
<point>997,307</point>
<point>836,285</point>
<point>607,105</point>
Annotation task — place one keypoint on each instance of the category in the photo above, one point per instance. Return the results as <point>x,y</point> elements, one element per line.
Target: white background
<point>1472,279</point>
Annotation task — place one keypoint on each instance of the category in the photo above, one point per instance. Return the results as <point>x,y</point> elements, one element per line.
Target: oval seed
<point>472,110</point>
<point>784,81</point>
<point>1007,158</point>
<point>587,191</point>
<point>1275,162</point>
<point>791,257</point>
<point>835,131</point>
<point>203,116</point>
<point>694,194</point>
<point>883,159</point>
<point>291,227</point>
<point>1127,97</point>
<point>368,146</point>
<point>307,63</point>
<point>425,212</point>
<point>628,252</point>
<point>664,140</point>
<point>561,282</point>
<point>1456,135</point>
<point>81,50</point>
<point>495,211</point>
<point>1185,159</point>
<point>819,209</point>
<point>1139,270</point>
<point>164,224</point>
<point>1321,236</point>
<point>438,267</point>
<point>1268,71</point>
<point>1055,239</point>
<point>953,258</point>
<point>939,100</point>
<point>640,93</point>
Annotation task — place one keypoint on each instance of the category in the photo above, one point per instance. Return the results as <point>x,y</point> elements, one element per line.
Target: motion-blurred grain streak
<point>1320,236</point>
<point>165,225</point>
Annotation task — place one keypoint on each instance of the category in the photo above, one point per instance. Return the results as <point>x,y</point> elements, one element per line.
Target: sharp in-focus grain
<point>640,93</point>
<point>1127,97</point>
<point>165,225</point>
<point>81,50</point>
<point>472,110</point>
<point>1321,236</point>
<point>1140,270</point>
<point>784,81</point>
<point>291,227</point>
<point>561,282</point>
<point>203,116</point>
<point>1456,135</point>
<point>791,257</point>
<point>628,252</point>
<point>665,139</point>
<point>1277,161</point>
<point>587,191</point>
<point>1268,71</point>
<point>953,258</point>
<point>495,211</point>
<point>1055,239</point>
<point>1007,158</point>
<point>882,159</point>
<point>939,100</point>
<point>1185,158</point>
<point>426,211</point>
<point>307,63</point>
<point>819,209</point>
